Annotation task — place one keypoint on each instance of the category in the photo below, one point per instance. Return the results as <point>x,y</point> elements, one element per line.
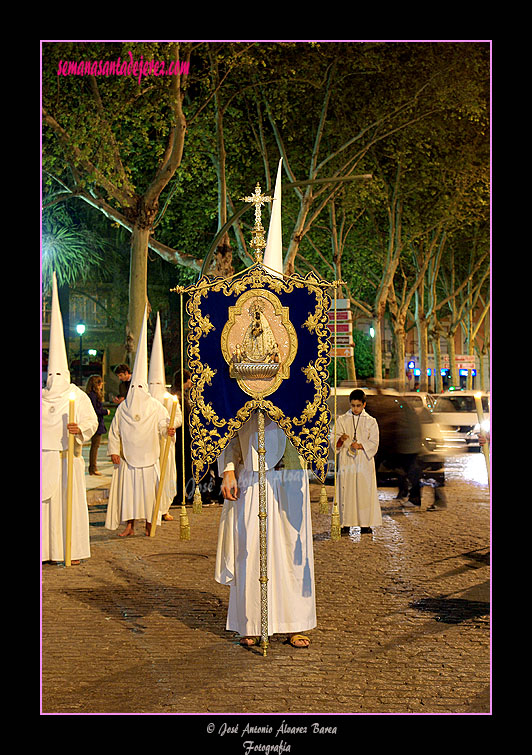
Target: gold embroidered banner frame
<point>256,340</point>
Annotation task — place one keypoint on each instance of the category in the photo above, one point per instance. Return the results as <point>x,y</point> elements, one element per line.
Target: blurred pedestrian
<point>409,446</point>
<point>356,441</point>
<point>400,443</point>
<point>94,390</point>
<point>123,373</point>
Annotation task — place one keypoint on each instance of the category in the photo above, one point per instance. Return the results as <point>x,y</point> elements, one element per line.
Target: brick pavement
<point>403,621</point>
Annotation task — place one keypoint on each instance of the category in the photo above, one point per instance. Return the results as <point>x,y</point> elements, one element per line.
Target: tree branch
<point>125,199</point>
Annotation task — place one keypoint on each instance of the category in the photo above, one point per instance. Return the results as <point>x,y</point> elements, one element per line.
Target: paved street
<point>403,619</point>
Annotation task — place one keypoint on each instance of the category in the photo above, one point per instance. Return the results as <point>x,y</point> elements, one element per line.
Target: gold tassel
<point>184,533</point>
<point>324,501</point>
<point>196,504</point>
<point>335,523</point>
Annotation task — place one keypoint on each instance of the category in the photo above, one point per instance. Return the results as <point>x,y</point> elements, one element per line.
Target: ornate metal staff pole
<point>263,577</point>
<point>258,243</point>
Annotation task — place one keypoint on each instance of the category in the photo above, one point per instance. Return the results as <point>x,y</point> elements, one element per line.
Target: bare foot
<point>168,518</point>
<point>249,641</point>
<point>128,531</point>
<point>148,529</point>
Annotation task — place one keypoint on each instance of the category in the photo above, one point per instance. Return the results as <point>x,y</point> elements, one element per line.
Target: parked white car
<point>456,414</point>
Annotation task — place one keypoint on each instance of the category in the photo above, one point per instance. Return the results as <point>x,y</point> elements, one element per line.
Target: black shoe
<point>365,531</point>
<point>345,530</point>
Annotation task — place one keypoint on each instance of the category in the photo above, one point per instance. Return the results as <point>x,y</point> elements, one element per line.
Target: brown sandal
<point>299,637</point>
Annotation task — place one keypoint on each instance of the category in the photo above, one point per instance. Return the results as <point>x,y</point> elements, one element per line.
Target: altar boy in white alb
<point>56,427</point>
<point>134,447</point>
<point>356,441</point>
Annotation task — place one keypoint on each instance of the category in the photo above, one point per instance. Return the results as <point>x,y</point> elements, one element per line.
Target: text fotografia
<point>250,746</point>
<point>137,68</point>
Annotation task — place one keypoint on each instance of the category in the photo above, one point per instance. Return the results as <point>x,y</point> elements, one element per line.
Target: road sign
<point>342,314</point>
<point>340,304</point>
<point>340,327</point>
<point>342,339</point>
<point>465,361</point>
<point>344,351</point>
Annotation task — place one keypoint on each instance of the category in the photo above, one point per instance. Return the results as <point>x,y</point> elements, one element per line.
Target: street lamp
<point>80,328</point>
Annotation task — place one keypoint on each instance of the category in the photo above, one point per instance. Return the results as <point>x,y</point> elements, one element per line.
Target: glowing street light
<point>80,329</point>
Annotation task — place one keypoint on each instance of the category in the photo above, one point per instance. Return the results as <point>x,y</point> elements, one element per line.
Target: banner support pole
<point>263,578</point>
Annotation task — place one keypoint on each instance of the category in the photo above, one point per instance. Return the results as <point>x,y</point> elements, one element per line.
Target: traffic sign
<point>342,314</point>
<point>343,351</point>
<point>340,327</point>
<point>342,339</point>
<point>340,304</point>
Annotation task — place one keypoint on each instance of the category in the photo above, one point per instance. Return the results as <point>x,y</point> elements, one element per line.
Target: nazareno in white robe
<point>358,498</point>
<point>290,555</point>
<point>54,475</point>
<point>134,483</point>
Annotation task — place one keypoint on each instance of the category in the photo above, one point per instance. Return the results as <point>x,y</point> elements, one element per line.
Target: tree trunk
<point>422,335</point>
<point>437,363</point>
<point>377,347</point>
<point>224,255</point>
<point>337,251</point>
<point>452,358</point>
<point>138,282</point>
<point>295,240</point>
<point>400,341</point>
<point>423,352</point>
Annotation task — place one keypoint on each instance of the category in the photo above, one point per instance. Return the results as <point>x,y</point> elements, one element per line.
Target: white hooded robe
<point>135,435</point>
<point>291,593</point>
<point>55,407</point>
<point>54,444</point>
<point>139,423</point>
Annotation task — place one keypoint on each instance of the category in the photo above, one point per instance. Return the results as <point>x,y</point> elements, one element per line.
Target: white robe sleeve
<point>178,421</point>
<point>86,418</point>
<point>113,437</point>
<point>163,422</point>
<point>231,457</point>
<point>370,441</point>
<point>337,433</point>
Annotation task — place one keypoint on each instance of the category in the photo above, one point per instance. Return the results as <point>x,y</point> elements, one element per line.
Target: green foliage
<point>75,252</point>
<point>414,115</point>
<point>363,354</point>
